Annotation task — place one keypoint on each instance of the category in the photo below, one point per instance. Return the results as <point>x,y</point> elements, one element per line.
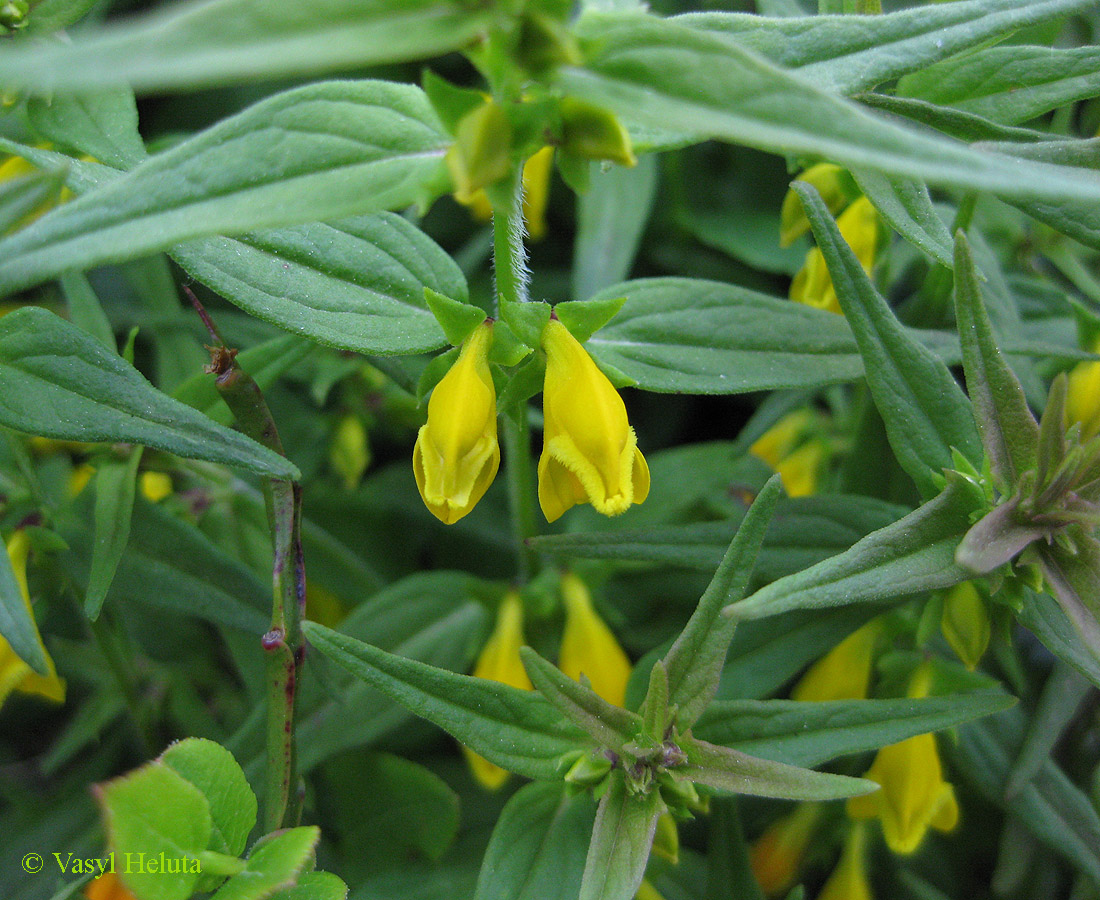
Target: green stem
<point>517,447</point>
<point>282,644</point>
<point>509,253</point>
<point>125,678</point>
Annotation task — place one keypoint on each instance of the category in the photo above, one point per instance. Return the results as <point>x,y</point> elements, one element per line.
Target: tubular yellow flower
<point>1083,396</point>
<point>16,675</point>
<point>457,455</point>
<point>844,673</point>
<point>777,855</point>
<point>849,878</point>
<point>500,661</point>
<point>858,226</point>
<point>826,178</point>
<point>589,452</point>
<point>790,448</point>
<point>914,796</point>
<point>588,647</point>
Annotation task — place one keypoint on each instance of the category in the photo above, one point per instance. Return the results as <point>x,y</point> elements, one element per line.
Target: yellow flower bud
<point>965,623</point>
<point>779,440</point>
<point>16,675</point>
<point>790,448</point>
<point>79,478</point>
<point>1083,396</point>
<point>801,470</point>
<point>849,878</point>
<point>589,453</point>
<point>500,661</point>
<point>914,796</point>
<point>778,854</point>
<point>588,647</point>
<point>844,673</point>
<point>858,226</point>
<point>457,455</point>
<point>155,486</point>
<point>480,154</point>
<point>826,178</point>
<point>646,891</point>
<point>349,452</point>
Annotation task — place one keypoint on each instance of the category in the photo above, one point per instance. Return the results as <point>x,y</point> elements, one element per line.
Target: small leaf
<point>1009,431</point>
<point>275,863</point>
<point>585,318</point>
<point>608,725</point>
<point>115,485</point>
<point>621,840</point>
<point>907,208</point>
<point>694,662</point>
<point>997,538</point>
<point>85,310</point>
<point>457,319</point>
<point>730,770</point>
<point>17,624</point>
<point>315,886</point>
<point>1075,583</point>
<point>103,124</point>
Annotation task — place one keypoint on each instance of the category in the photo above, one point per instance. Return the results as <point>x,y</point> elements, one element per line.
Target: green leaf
<point>321,151</point>
<point>584,318</point>
<point>17,625</point>
<point>809,734</point>
<point>1009,84</point>
<point>996,538</point>
<point>1055,811</point>
<point>213,770</point>
<point>154,810</point>
<point>356,284</point>
<point>608,725</point>
<point>621,838</point>
<point>662,74</point>
<point>1074,581</point>
<point>517,730</point>
<point>58,381</point>
<point>538,847</point>
<point>1009,431</point>
<point>907,208</point>
<point>115,485</point>
<point>610,220</point>
<point>275,863</point>
<point>1049,623</point>
<point>914,554</point>
<point>315,886</point>
<point>694,662</point>
<point>22,198</point>
<point>925,412</point>
<point>84,309</point>
<point>103,125</point>
<point>224,42</point>
<point>732,771</point>
<point>848,54</point>
<point>192,574</point>
<point>457,319</point>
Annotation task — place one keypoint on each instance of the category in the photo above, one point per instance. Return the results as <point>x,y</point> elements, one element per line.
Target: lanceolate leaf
<point>58,381</point>
<point>1009,431</point>
<point>925,411</point>
<point>103,124</point>
<point>694,662</point>
<point>1075,583</point>
<point>809,734</point>
<point>518,730</point>
<point>996,539</point>
<point>916,553</point>
<point>849,55</point>
<point>661,74</point>
<point>17,625</point>
<point>115,484</point>
<point>321,151</point>
<point>730,770</point>
<point>1050,624</point>
<point>907,208</point>
<point>196,44</point>
<point>621,839</point>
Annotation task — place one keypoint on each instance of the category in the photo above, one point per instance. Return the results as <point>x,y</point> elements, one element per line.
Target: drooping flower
<point>589,647</point>
<point>15,674</point>
<point>844,673</point>
<point>793,449</point>
<point>457,455</point>
<point>858,226</point>
<point>778,853</point>
<point>849,878</point>
<point>1083,396</point>
<point>914,795</point>
<point>590,453</point>
<point>500,661</point>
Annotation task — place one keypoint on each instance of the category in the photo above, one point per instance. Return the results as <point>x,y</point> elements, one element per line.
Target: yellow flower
<point>826,178</point>
<point>965,623</point>
<point>844,673</point>
<point>589,453</point>
<point>457,455</point>
<point>1083,396</point>
<point>536,193</point>
<point>107,887</point>
<point>155,486</point>
<point>777,855</point>
<point>588,647</point>
<point>500,661</point>
<point>858,226</point>
<point>914,796</point>
<point>79,478</point>
<point>849,878</point>
<point>349,452</point>
<point>16,675</point>
<point>790,448</point>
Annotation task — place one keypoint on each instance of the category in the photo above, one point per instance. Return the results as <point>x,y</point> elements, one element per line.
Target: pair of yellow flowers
<point>590,453</point>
